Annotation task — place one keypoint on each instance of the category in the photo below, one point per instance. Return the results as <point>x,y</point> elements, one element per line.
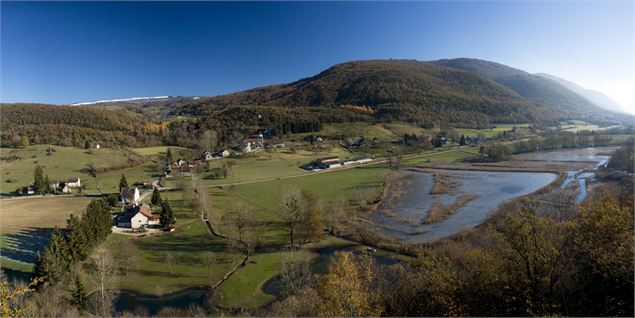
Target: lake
<point>402,217</point>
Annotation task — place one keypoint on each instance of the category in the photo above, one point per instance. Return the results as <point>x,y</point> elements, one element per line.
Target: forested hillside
<point>550,95</point>
<point>395,90</point>
<point>76,126</point>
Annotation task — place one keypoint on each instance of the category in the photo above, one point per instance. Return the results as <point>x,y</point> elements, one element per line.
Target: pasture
<point>26,225</point>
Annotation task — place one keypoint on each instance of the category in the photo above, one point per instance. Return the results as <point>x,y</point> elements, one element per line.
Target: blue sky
<point>68,52</point>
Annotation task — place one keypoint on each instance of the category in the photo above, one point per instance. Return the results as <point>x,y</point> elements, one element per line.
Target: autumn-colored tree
<point>346,289</point>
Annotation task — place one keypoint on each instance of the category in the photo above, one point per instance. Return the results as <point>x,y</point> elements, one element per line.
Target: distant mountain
<point>399,89</point>
<point>551,95</point>
<point>593,96</point>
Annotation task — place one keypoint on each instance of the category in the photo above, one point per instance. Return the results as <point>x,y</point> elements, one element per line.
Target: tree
<point>24,141</point>
<point>462,140</point>
<point>123,183</point>
<point>168,156</point>
<point>79,295</point>
<point>12,298</point>
<point>47,185</point>
<point>209,140</point>
<point>346,289</point>
<point>295,274</point>
<point>38,180</point>
<point>156,197</point>
<point>335,214</point>
<point>53,264</point>
<point>103,279</point>
<point>311,222</point>
<point>291,210</point>
<point>166,217</point>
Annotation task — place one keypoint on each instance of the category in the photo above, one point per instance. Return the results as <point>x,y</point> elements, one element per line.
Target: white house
<point>130,195</point>
<point>73,182</point>
<point>137,217</point>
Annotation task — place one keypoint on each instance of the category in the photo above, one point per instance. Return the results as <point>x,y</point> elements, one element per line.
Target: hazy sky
<point>73,51</point>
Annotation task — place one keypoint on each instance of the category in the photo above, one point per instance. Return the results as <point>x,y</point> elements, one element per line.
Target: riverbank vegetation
<point>527,263</point>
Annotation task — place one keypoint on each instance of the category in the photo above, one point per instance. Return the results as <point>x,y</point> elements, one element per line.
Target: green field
<point>162,150</point>
<point>521,129</point>
<point>65,162</point>
<point>327,186</point>
<point>266,165</point>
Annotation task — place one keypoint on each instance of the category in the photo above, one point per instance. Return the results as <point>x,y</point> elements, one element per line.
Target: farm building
<point>358,160</point>
<point>329,162</point>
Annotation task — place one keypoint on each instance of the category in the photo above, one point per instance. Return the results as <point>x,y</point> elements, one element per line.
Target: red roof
<point>145,210</point>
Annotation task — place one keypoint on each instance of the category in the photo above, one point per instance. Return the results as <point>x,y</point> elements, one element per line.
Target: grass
<point>47,212</point>
<point>244,288</point>
<point>162,150</point>
<point>26,225</point>
<point>358,129</point>
<point>495,130</point>
<point>451,156</point>
<point>327,186</point>
<point>267,165</point>
<point>64,163</point>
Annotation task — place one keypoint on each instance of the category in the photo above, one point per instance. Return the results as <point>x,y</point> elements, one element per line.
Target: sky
<point>68,52</point>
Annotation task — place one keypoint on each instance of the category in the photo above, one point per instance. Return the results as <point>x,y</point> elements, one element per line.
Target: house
<point>137,217</point>
<point>130,195</point>
<point>215,155</point>
<point>97,146</point>
<point>252,143</point>
<point>329,162</point>
<point>73,182</point>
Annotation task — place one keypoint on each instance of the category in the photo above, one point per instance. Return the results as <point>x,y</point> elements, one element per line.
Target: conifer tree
<point>166,217</point>
<point>79,296</point>
<point>38,180</point>
<point>462,140</point>
<point>123,183</point>
<point>156,197</point>
<point>47,185</point>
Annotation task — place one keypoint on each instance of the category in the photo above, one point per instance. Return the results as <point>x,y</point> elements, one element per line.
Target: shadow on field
<point>24,245</point>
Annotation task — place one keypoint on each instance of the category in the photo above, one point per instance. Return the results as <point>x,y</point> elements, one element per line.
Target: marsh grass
<point>441,211</point>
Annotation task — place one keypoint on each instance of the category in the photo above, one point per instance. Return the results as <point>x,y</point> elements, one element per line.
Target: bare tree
<point>335,214</point>
<point>291,210</point>
<point>209,140</point>
<point>203,203</point>
<point>103,277</point>
<point>364,197</point>
<point>295,274</point>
